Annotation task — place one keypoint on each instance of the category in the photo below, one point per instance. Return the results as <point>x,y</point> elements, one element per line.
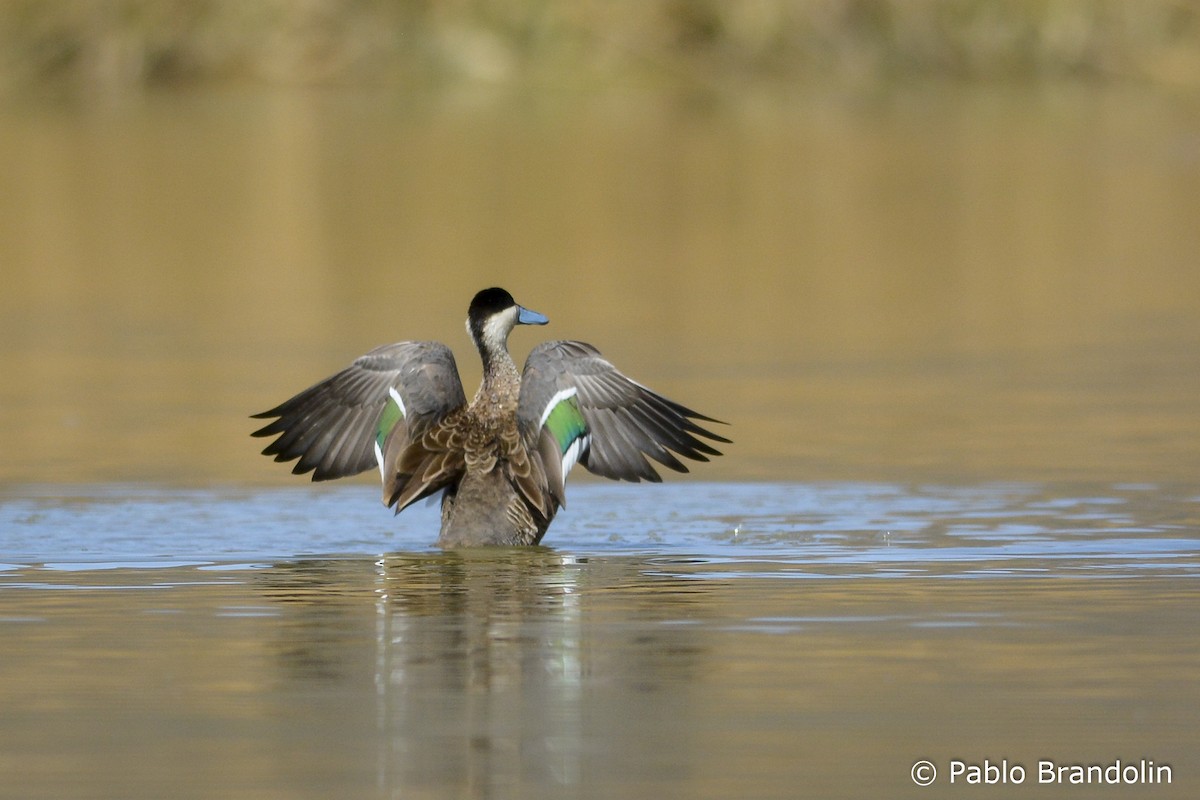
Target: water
<point>956,333</point>
<point>771,640</point>
<point>828,529</point>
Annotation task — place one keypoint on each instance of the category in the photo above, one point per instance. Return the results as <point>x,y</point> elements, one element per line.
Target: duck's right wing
<point>367,414</point>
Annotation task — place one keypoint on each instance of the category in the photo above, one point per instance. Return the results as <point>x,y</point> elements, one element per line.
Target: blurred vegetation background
<point>120,45</point>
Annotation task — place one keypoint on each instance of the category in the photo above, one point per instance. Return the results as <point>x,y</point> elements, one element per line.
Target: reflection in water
<point>546,675</point>
<point>482,660</point>
<point>502,637</point>
<point>533,673</point>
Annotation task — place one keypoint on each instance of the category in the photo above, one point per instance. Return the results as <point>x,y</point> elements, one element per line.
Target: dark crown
<point>490,301</point>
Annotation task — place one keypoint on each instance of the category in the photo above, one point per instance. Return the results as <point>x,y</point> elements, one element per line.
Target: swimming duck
<point>500,461</point>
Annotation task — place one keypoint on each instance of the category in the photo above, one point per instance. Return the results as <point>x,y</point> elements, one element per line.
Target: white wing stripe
<point>379,448</point>
<point>571,457</point>
<point>399,403</point>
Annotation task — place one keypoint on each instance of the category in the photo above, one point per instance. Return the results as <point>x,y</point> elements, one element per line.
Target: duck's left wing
<point>362,416</point>
<point>576,407</point>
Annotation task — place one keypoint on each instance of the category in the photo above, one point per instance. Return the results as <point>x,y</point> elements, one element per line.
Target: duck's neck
<point>501,385</point>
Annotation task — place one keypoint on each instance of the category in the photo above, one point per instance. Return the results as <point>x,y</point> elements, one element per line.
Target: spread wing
<point>576,407</point>
<point>367,414</point>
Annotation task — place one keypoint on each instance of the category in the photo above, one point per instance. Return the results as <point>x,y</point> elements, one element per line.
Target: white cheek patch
<point>496,328</point>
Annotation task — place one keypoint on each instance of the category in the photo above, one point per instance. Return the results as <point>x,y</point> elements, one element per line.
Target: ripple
<point>802,530</point>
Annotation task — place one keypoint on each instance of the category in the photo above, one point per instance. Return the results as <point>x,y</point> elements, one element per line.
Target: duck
<point>500,461</point>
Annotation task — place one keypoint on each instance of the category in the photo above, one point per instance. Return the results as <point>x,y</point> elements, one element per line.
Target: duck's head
<point>492,316</point>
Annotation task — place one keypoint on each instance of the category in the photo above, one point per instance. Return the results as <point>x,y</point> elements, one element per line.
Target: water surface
<point>805,641</point>
<point>956,332</point>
